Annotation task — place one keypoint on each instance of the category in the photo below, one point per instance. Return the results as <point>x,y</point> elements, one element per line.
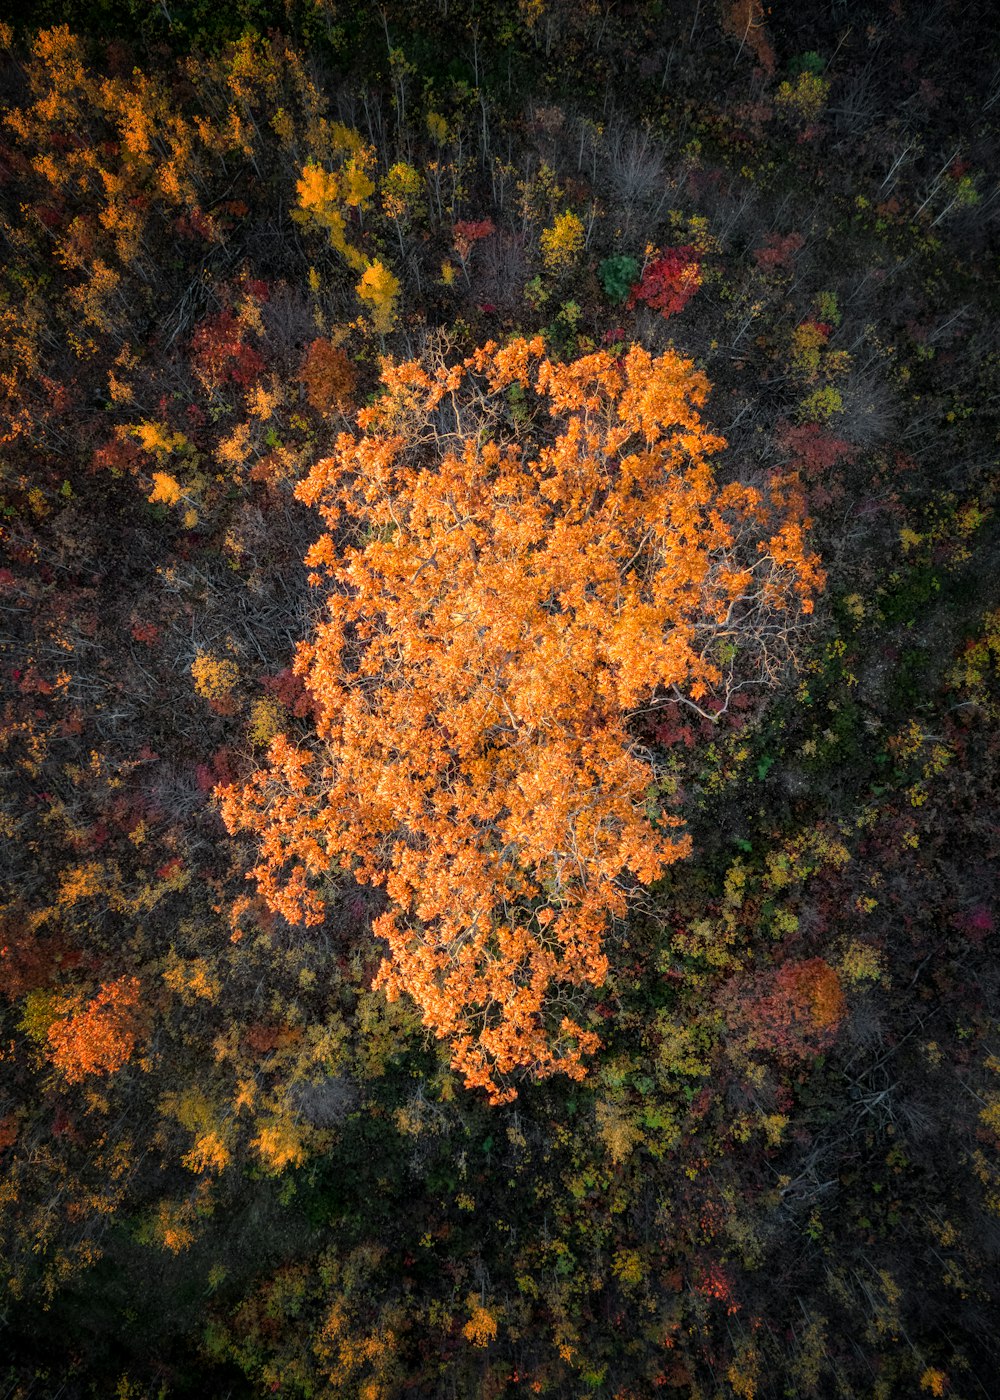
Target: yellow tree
<point>519,556</point>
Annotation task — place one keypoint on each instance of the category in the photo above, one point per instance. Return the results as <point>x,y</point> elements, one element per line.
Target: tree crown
<point>519,554</point>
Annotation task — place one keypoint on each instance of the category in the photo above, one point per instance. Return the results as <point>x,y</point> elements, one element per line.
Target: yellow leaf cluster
<point>862,963</point>
<point>267,718</point>
<point>437,126</point>
<point>402,191</point>
<point>209,1154</point>
<point>173,1226</point>
<point>280,1145</point>
<point>81,882</point>
<point>166,489</point>
<point>212,1133</point>
<point>806,97</point>
<point>191,980</point>
<point>562,242</point>
<point>263,402</point>
<point>323,195</point>
<point>214,676</point>
<point>934,1381</point>
<point>233,449</point>
<point>380,288</point>
<point>157,437</point>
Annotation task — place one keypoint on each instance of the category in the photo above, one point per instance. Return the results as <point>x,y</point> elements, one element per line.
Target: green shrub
<point>618,275</point>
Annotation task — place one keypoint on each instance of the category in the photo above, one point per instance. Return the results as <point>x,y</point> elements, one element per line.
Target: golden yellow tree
<point>519,555</point>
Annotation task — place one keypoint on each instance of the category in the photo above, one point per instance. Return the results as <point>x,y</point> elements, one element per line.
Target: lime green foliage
<point>827,308</point>
<point>39,1012</point>
<point>821,405</point>
<point>805,98</point>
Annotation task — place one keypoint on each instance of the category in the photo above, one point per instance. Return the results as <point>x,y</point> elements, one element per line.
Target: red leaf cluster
<point>778,250</point>
<point>221,355</point>
<point>669,283</point>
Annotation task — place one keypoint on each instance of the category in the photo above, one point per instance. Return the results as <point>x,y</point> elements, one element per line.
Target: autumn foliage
<point>668,282</point>
<point>536,551</point>
<point>557,755</point>
<point>97,1037</point>
<point>799,1014</point>
<point>220,355</point>
<point>328,376</point>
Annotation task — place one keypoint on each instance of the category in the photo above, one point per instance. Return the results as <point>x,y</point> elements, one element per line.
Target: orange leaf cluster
<point>814,992</point>
<point>745,20</point>
<point>519,554</point>
<point>799,1015</point>
<point>100,1037</point>
<point>328,376</point>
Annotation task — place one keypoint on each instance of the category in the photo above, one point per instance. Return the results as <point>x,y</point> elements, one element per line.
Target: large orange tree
<point>519,556</point>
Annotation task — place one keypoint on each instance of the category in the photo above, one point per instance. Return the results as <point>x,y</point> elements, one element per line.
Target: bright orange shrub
<point>100,1037</point>
<point>526,553</point>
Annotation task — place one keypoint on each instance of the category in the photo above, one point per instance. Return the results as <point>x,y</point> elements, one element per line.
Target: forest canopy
<point>499,700</point>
